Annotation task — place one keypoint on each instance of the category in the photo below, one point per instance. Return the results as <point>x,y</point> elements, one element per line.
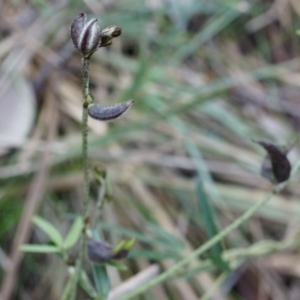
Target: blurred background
<point>207,77</point>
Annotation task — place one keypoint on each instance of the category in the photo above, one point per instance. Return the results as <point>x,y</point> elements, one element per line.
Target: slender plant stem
<point>67,289</point>
<point>84,124</point>
<point>86,182</point>
<point>202,249</point>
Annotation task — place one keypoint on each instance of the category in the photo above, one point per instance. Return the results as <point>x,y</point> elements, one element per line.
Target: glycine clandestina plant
<point>87,38</point>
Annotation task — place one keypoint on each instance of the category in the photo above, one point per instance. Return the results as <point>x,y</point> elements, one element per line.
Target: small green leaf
<point>39,248</point>
<point>129,244</point>
<point>73,234</point>
<point>49,229</point>
<point>298,32</point>
<point>118,265</point>
<point>124,245</point>
<point>119,247</point>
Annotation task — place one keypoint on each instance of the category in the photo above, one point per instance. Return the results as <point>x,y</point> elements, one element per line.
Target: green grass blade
<point>201,250</point>
<point>205,207</point>
<point>151,240</point>
<point>215,25</point>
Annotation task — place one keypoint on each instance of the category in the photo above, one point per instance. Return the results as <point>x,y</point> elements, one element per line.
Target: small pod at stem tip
<point>107,113</point>
<point>85,35</point>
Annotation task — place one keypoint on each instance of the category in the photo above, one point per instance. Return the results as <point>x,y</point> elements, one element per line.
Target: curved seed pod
<point>276,167</point>
<point>108,33</point>
<point>107,113</point>
<point>99,252</point>
<point>86,36</point>
<point>76,28</point>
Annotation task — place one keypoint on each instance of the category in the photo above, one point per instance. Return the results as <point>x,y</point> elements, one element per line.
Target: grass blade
<point>205,207</point>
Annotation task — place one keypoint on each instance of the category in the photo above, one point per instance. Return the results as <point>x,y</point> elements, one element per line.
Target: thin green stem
<point>86,182</point>
<point>84,124</point>
<point>67,289</point>
<point>85,77</point>
<point>202,249</point>
<point>237,256</point>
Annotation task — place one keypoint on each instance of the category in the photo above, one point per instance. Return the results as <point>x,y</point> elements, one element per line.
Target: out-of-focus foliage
<point>207,77</point>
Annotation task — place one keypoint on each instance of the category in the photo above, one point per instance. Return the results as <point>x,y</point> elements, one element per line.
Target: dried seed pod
<point>276,167</point>
<point>86,36</point>
<point>107,113</point>
<point>99,252</point>
<point>108,33</point>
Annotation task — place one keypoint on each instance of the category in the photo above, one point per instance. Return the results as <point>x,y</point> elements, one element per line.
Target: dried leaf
<point>17,112</point>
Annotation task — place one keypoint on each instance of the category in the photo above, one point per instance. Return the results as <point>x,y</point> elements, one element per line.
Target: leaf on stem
<point>39,248</point>
<point>49,229</point>
<point>74,233</point>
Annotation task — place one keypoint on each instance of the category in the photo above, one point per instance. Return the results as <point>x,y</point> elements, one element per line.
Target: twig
<point>134,282</point>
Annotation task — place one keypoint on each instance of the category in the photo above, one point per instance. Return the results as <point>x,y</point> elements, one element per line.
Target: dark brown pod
<point>108,113</point>
<point>276,167</point>
<point>99,252</point>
